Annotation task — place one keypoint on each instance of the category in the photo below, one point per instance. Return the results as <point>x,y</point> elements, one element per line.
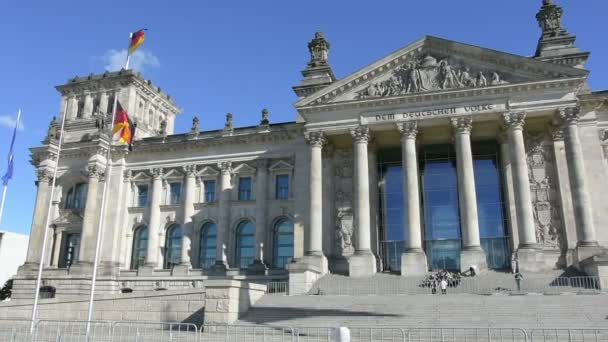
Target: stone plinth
<point>302,275</point>
<point>530,260</point>
<point>227,300</point>
<point>362,265</point>
<point>413,263</point>
<point>473,257</point>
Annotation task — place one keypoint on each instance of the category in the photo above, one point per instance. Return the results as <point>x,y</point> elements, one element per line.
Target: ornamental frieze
<point>428,74</point>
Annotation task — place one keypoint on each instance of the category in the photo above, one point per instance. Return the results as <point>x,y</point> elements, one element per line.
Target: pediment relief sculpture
<point>69,217</point>
<point>429,74</point>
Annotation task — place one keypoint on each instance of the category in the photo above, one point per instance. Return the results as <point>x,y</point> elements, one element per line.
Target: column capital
<point>569,115</point>
<point>225,167</point>
<point>315,138</point>
<point>360,134</point>
<point>462,125</point>
<point>408,129</point>
<point>95,171</point>
<point>189,170</point>
<point>261,164</point>
<point>556,132</point>
<point>514,120</point>
<point>44,175</point>
<point>157,172</point>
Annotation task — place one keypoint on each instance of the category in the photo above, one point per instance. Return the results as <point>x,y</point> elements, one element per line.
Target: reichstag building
<point>441,155</point>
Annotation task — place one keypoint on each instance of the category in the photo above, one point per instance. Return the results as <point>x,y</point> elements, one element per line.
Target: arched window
<point>77,196</point>
<point>245,244</point>
<point>282,243</point>
<point>140,247</point>
<point>208,244</point>
<point>173,246</point>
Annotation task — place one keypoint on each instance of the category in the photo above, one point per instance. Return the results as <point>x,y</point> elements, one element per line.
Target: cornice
<point>444,95</point>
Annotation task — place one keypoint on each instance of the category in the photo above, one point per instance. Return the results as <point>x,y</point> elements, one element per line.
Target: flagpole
<point>5,185</point>
<point>102,215</point>
<point>47,221</point>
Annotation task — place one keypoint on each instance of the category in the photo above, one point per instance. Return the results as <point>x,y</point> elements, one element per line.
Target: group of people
<point>442,280</point>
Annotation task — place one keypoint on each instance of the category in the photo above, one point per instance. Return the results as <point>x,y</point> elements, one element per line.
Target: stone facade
<point>319,182</point>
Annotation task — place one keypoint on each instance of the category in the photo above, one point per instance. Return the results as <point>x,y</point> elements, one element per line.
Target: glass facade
<point>439,183</point>
<point>140,247</point>
<point>245,244</point>
<point>77,196</point>
<point>282,187</point>
<point>209,186</point>
<point>244,188</point>
<point>282,243</point>
<point>208,244</point>
<point>173,246</point>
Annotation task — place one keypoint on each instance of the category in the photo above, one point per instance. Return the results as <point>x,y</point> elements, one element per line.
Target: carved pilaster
<point>514,120</point>
<point>95,171</point>
<point>315,139</point>
<point>44,175</point>
<point>157,172</point>
<point>462,125</point>
<point>189,170</point>
<point>569,116</point>
<point>360,134</point>
<point>408,129</point>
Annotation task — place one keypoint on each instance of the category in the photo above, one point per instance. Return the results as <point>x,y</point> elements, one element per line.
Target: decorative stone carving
<point>195,129</point>
<point>514,120</point>
<point>228,126</point>
<point>319,50</point>
<point>69,217</point>
<point>360,134</point>
<point>550,19</point>
<point>344,219</point>
<point>408,129</point>
<point>127,176</point>
<point>189,170</point>
<point>315,139</point>
<point>44,175</point>
<point>162,127</point>
<point>95,171</point>
<point>426,74</point>
<point>604,140</point>
<point>53,132</point>
<point>265,117</point>
<point>569,116</point>
<point>462,125</point>
<point>225,167</point>
<point>157,172</point>
<point>545,192</point>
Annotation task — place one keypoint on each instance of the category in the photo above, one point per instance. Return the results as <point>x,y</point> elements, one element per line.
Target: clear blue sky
<point>215,57</point>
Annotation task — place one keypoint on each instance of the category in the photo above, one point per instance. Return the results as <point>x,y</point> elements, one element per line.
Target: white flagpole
<point>47,221</point>
<point>5,186</point>
<point>100,228</point>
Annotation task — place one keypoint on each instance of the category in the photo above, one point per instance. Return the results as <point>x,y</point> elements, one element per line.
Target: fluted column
<point>315,242</point>
<point>472,254</point>
<point>529,255</point>
<point>39,220</point>
<point>154,221</point>
<point>88,237</point>
<point>363,263</point>
<point>187,212</point>
<point>413,260</point>
<point>260,214</point>
<point>583,211</point>
<point>224,222</point>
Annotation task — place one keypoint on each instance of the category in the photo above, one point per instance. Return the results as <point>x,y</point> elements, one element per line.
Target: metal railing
<point>393,285</point>
<point>124,331</point>
<point>277,288</point>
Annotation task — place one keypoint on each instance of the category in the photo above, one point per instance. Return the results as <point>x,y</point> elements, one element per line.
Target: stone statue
<point>344,233</point>
<point>53,130</point>
<point>550,19</point>
<point>466,79</point>
<point>265,115</point>
<point>195,128</point>
<point>447,75</point>
<point>319,50</point>
<point>495,79</point>
<point>100,121</point>
<point>228,125</point>
<point>481,80</point>
<point>162,127</point>
<point>413,82</point>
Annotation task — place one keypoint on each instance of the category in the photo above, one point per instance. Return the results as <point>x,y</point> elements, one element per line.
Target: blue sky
<point>216,57</point>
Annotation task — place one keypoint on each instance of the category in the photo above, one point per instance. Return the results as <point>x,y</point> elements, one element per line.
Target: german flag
<point>124,128</point>
<point>137,38</point>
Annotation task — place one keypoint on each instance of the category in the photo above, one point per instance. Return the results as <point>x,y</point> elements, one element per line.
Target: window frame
<point>168,250</point>
<point>135,246</point>
<point>241,191</point>
<point>238,243</point>
<point>203,235</point>
<point>277,188</point>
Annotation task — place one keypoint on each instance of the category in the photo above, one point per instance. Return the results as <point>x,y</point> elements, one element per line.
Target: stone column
<point>529,254</point>
<point>509,195</point>
<point>154,220</point>
<point>72,108</point>
<point>103,103</point>
<point>413,260</point>
<point>87,111</point>
<point>39,220</point>
<point>88,236</point>
<point>471,254</point>
<point>223,226</point>
<point>261,192</point>
<point>587,244</point>
<point>187,226</point>
<point>363,262</point>
<point>314,248</point>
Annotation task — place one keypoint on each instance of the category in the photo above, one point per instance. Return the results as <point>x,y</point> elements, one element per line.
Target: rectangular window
<point>282,187</point>
<point>209,186</point>
<point>176,192</point>
<point>245,189</point>
<point>142,195</point>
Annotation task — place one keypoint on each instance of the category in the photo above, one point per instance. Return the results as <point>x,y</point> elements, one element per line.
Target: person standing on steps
<point>444,286</point>
<point>518,278</point>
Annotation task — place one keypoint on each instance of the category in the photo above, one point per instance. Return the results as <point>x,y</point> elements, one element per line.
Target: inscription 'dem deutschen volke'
<point>436,112</point>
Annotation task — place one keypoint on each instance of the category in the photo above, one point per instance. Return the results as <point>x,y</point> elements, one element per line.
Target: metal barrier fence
<point>277,288</point>
<point>393,285</point>
<point>102,331</point>
<point>568,335</point>
<point>466,334</point>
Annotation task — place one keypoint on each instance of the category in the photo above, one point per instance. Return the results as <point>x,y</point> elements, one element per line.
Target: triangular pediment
<point>140,176</point>
<point>208,171</point>
<point>173,173</point>
<point>432,65</point>
<point>281,165</point>
<point>244,169</point>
